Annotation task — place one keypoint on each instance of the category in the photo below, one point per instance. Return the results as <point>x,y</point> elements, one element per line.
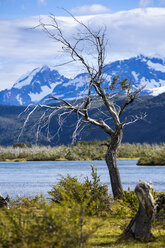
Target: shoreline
<point>60,159</point>
<point>63,159</point>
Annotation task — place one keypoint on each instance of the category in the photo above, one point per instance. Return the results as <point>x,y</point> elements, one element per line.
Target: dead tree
<point>101,91</point>
<point>140,226</point>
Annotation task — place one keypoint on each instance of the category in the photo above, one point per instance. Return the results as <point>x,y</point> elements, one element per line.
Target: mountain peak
<point>25,79</point>
<point>35,86</point>
<point>45,68</point>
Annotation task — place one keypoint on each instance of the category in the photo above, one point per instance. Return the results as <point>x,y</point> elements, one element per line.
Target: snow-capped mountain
<point>37,85</point>
<point>32,87</point>
<point>142,71</point>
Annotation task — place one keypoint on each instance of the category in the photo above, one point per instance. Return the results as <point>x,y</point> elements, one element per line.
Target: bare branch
<point>26,121</point>
<point>69,105</point>
<point>134,119</point>
<point>76,133</point>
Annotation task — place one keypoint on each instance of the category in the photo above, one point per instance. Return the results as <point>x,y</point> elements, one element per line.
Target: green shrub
<point>127,205</point>
<point>90,192</point>
<point>21,145</point>
<point>35,223</point>
<point>154,157</point>
<point>130,200</point>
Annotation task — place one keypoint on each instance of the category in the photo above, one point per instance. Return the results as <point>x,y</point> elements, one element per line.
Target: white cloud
<point>130,33</point>
<point>90,9</point>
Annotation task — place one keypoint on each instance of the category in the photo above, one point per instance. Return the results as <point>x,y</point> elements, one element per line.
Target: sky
<point>133,27</point>
<point>25,8</point>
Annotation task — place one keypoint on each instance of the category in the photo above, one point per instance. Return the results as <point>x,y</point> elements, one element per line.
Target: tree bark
<point>111,161</point>
<point>140,226</point>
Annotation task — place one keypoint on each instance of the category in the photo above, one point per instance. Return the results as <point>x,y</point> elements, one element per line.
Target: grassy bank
<point>77,215</point>
<point>155,157</point>
<point>94,150</point>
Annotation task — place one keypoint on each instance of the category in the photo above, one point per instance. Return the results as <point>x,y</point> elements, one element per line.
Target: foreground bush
<point>61,223</point>
<point>79,215</point>
<point>44,225</point>
<point>90,193</point>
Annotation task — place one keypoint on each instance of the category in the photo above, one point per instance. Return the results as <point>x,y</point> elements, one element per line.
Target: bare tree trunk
<point>140,226</point>
<point>111,160</point>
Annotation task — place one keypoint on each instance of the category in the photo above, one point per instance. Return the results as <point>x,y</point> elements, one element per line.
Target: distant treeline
<point>92,150</point>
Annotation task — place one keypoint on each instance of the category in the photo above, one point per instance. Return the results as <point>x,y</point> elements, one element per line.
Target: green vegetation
<point>78,215</point>
<point>93,150</point>
<point>91,192</point>
<point>154,157</point>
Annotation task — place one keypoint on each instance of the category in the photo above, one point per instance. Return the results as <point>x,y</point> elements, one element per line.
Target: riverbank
<point>62,159</point>
<point>83,151</point>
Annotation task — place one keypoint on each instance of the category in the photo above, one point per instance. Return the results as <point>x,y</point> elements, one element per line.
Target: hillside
<point>149,130</point>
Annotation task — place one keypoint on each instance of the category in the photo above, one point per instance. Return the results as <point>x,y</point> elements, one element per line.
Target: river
<point>31,178</point>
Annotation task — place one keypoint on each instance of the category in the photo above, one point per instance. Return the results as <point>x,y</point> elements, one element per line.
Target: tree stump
<point>4,201</point>
<point>140,226</point>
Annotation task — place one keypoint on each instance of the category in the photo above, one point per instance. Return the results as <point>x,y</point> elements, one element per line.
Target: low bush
<point>154,157</point>
<point>90,193</point>
<point>44,225</point>
<point>21,145</point>
<point>127,206</point>
<point>130,200</point>
<point>64,222</point>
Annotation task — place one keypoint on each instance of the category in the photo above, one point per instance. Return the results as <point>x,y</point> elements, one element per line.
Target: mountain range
<point>34,87</point>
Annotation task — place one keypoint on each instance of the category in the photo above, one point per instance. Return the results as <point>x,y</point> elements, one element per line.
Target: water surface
<point>31,178</point>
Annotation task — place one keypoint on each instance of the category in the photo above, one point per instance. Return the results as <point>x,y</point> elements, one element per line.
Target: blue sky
<point>25,8</point>
<point>130,32</point>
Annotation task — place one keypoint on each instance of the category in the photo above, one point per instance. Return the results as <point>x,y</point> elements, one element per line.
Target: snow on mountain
<point>142,71</point>
<point>45,90</point>
<point>32,87</point>
<point>37,85</point>
<point>25,79</point>
<point>156,66</point>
